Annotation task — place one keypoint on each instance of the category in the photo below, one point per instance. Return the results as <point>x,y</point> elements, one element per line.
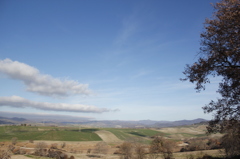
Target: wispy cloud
<point>129,29</point>
<point>141,73</point>
<point>131,25</point>
<point>41,83</point>
<point>19,102</point>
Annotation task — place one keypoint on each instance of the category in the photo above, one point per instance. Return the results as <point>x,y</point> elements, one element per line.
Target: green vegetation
<point>142,135</point>
<point>47,133</point>
<point>88,134</point>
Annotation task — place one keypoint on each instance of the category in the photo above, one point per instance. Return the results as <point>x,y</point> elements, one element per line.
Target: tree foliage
<point>220,56</point>
<point>126,150</point>
<point>101,148</point>
<point>161,146</point>
<point>231,141</point>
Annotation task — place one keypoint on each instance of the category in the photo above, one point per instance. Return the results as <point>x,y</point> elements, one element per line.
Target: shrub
<point>101,148</point>
<point>139,151</point>
<point>189,156</point>
<point>214,144</point>
<point>63,145</point>
<point>5,154</point>
<point>14,140</point>
<point>162,146</point>
<point>54,146</point>
<point>40,149</point>
<point>126,150</point>
<point>89,151</point>
<point>71,157</point>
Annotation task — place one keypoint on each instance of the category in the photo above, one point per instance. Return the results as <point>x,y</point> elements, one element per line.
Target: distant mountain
<point>140,123</point>
<point>5,122</point>
<point>180,123</point>
<point>15,120</point>
<point>18,119</point>
<point>108,123</point>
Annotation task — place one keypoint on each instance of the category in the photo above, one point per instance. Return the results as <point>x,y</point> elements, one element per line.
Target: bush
<point>214,144</point>
<point>57,154</point>
<point>126,150</point>
<point>71,157</point>
<point>54,146</point>
<point>5,154</point>
<point>101,148</point>
<point>162,146</point>
<point>201,144</point>
<point>14,140</point>
<point>189,156</point>
<point>40,149</point>
<point>63,145</point>
<point>139,151</point>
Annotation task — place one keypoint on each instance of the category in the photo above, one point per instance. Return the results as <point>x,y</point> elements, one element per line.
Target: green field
<point>125,134</point>
<point>139,135</point>
<point>74,134</point>
<point>47,133</point>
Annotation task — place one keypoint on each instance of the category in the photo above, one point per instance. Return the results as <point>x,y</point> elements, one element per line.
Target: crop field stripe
<point>47,134</point>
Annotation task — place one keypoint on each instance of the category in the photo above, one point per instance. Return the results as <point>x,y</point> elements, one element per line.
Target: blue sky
<point>102,59</point>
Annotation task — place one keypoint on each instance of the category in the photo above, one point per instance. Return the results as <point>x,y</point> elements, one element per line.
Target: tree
<point>101,148</point>
<point>161,146</point>
<point>14,140</point>
<point>5,153</point>
<point>139,151</point>
<point>220,56</point>
<point>231,142</point>
<point>41,149</point>
<point>126,150</point>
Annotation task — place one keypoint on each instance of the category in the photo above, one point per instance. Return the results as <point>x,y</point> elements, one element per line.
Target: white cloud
<point>41,83</point>
<point>19,102</point>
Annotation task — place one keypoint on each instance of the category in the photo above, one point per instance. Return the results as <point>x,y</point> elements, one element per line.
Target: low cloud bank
<point>41,83</point>
<point>44,116</point>
<point>19,102</point>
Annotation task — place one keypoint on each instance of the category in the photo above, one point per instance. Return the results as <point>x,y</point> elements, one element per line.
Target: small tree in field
<point>63,144</point>
<point>5,154</point>
<point>40,149</point>
<point>14,140</point>
<point>139,151</point>
<point>126,150</point>
<point>101,148</point>
<point>161,146</point>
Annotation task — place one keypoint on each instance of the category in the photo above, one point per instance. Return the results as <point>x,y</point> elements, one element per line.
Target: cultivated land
<point>79,141</point>
<point>48,133</point>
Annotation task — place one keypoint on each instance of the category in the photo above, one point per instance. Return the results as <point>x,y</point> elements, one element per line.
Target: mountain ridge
<point>107,123</point>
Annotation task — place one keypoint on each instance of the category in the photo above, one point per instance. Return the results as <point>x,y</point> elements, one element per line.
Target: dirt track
<point>107,136</point>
